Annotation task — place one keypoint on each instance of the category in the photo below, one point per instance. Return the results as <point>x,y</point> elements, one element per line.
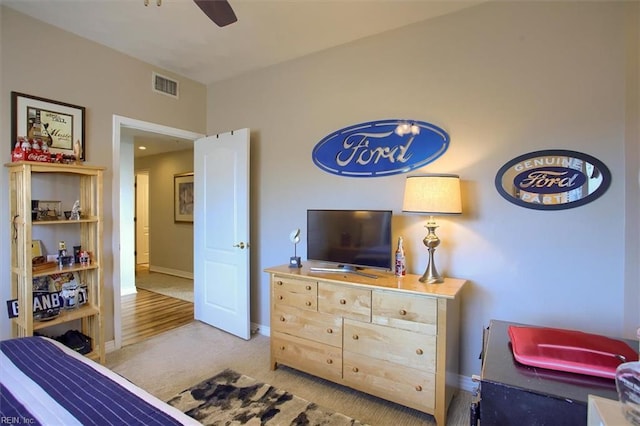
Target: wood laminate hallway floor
<point>147,314</point>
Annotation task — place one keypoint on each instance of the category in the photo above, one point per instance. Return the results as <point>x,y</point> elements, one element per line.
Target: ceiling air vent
<point>164,85</point>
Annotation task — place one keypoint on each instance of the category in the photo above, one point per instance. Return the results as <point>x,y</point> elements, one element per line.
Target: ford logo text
<point>380,148</point>
<point>550,180</point>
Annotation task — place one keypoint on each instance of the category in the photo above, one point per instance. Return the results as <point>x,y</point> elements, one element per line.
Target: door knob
<point>240,244</point>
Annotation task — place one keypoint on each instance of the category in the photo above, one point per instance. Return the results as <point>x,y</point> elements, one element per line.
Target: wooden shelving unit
<point>87,187</point>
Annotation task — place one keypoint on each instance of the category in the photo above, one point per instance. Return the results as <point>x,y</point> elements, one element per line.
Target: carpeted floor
<point>168,285</point>
<point>230,398</point>
<point>167,364</point>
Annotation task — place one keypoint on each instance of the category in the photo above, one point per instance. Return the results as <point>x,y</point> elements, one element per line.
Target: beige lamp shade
<point>433,194</point>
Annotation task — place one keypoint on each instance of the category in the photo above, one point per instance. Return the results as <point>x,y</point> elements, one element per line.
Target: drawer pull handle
<point>308,287</point>
<point>308,303</point>
<point>280,297</point>
<point>329,361</point>
<point>282,348</point>
<point>403,312</point>
<point>279,282</point>
<point>329,330</point>
<point>282,319</point>
<point>419,388</point>
<point>355,369</point>
<point>419,351</point>
<point>355,337</point>
<point>343,302</point>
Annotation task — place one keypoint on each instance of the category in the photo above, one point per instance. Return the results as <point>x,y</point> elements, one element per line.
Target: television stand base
<point>343,270</point>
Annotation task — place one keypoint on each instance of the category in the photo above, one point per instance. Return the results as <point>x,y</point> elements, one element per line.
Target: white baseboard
<point>263,330</point>
<point>169,271</point>
<point>127,291</point>
<point>466,383</point>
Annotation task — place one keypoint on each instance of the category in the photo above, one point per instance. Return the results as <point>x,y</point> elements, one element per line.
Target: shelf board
<point>91,219</point>
<point>41,167</point>
<point>76,267</point>
<point>66,316</point>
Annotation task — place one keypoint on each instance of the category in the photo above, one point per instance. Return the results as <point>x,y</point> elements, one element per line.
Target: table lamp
<point>433,195</point>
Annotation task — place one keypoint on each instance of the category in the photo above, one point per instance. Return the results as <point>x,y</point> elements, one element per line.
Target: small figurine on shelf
<point>75,211</point>
<point>70,292</point>
<point>85,259</point>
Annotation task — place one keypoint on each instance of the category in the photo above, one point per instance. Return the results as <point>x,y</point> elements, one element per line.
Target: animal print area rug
<point>230,398</point>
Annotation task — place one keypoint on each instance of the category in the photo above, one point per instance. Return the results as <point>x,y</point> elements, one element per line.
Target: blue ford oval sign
<point>380,148</point>
<point>553,179</point>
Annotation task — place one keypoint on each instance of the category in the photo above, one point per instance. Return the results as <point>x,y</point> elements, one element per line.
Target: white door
<point>142,218</point>
<point>221,231</point>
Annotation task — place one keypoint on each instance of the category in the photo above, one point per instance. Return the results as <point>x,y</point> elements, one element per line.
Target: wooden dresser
<point>392,337</point>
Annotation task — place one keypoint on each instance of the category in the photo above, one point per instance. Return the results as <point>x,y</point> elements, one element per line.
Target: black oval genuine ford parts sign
<point>553,179</point>
<point>380,148</point>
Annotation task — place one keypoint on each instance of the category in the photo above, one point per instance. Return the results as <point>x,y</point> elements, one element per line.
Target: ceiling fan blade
<point>219,11</point>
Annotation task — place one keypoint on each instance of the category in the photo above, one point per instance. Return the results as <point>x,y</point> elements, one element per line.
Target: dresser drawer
<point>292,292</point>
<point>407,386</point>
<point>402,347</point>
<point>305,300</point>
<point>295,285</point>
<point>323,328</point>
<point>321,360</point>
<point>348,302</point>
<point>406,311</point>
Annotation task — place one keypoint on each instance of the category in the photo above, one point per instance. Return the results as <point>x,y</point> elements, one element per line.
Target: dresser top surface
<point>409,283</point>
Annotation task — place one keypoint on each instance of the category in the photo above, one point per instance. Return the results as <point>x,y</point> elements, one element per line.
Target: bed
<point>42,382</point>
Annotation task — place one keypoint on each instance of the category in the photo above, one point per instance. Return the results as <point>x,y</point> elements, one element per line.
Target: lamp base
<point>431,275</point>
<point>427,279</point>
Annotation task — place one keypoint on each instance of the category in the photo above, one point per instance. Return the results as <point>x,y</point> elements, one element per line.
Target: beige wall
<point>504,79</point>
<point>632,175</point>
<point>44,61</point>
<point>170,243</point>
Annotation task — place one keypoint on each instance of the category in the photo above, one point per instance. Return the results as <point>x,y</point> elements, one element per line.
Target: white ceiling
<point>153,143</point>
<point>177,36</point>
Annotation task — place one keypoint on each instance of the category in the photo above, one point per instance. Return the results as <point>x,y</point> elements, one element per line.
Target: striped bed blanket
<point>42,382</point>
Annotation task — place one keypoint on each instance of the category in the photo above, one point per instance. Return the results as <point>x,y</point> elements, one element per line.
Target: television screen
<point>356,238</point>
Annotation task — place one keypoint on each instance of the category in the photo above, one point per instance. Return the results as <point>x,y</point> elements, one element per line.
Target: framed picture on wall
<point>59,124</point>
<point>183,197</point>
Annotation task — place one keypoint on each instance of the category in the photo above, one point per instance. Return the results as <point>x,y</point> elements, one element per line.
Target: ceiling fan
<point>219,11</point>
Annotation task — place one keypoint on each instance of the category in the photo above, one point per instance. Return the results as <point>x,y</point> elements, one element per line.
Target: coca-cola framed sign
<point>553,179</point>
<point>45,128</point>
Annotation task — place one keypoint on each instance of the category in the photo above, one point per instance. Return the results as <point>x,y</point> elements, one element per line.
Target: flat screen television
<point>350,239</point>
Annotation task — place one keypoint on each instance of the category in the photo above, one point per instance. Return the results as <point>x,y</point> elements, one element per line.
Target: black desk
<point>518,395</point>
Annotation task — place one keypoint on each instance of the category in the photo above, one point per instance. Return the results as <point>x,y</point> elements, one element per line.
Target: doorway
<point>123,197</point>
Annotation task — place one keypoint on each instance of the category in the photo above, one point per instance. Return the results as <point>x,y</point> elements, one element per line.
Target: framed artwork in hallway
<point>183,197</point>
